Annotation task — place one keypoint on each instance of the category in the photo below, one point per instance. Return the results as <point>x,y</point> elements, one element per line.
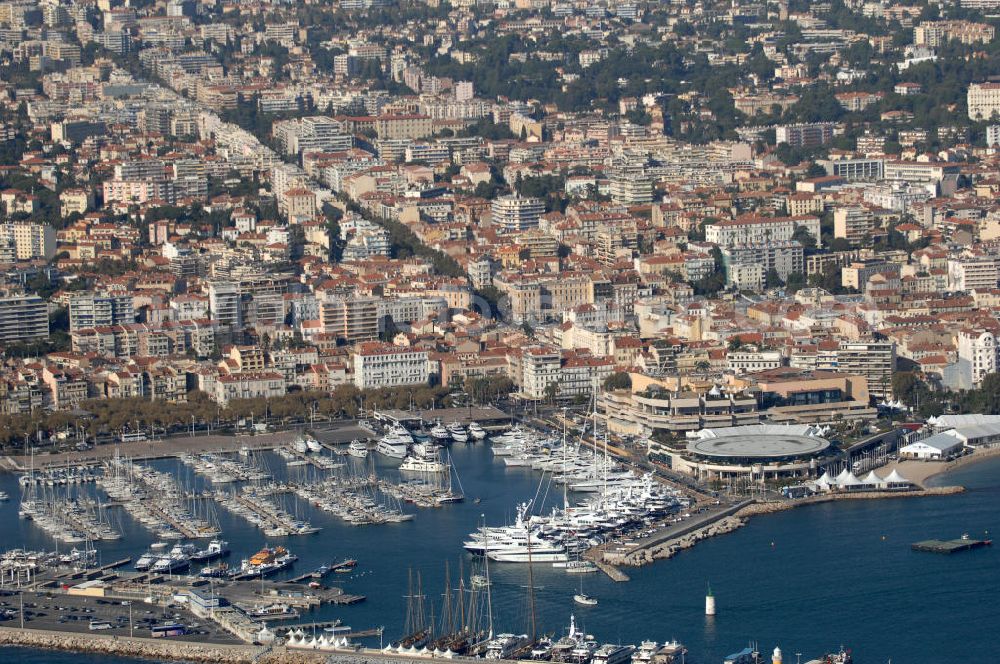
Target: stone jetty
<point>155,649</point>
<point>670,548</point>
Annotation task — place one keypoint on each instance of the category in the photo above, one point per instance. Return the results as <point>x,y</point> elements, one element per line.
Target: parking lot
<point>68,613</point>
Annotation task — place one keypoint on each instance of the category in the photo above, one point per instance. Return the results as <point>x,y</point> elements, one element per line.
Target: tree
<point>551,391</point>
<point>772,279</point>
<point>804,237</point>
<point>620,380</point>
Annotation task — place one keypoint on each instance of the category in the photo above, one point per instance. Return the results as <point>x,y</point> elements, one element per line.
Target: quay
<point>164,448</point>
<point>488,417</point>
<point>644,550</point>
<point>949,546</point>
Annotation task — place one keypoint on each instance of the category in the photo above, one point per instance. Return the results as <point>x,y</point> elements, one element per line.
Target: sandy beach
<point>920,472</point>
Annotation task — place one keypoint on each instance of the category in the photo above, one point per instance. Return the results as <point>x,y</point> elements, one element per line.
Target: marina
<point>379,577</point>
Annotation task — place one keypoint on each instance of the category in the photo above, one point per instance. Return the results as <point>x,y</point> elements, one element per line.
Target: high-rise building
<point>224,303</point>
<point>23,318</point>
<point>514,213</point>
<point>29,240</point>
<point>875,360</point>
<point>88,310</point>
<point>631,184</point>
<point>810,134</point>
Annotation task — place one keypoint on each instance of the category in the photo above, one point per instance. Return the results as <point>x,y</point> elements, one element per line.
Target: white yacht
<point>172,562</point>
<point>439,432</point>
<point>357,449</point>
<point>313,445</point>
<point>476,431</point>
<point>391,447</point>
<point>457,432</point>
<point>300,445</point>
<point>400,432</point>
<point>146,561</point>
<point>546,552</point>
<point>610,653</point>
<point>506,646</point>
<point>421,464</point>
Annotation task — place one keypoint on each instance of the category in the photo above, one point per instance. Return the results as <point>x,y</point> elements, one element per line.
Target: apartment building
<point>383,365</point>
<point>249,385</point>
<point>854,169</point>
<point>750,230</point>
<point>225,303</point>
<point>967,273</point>
<point>977,356</point>
<point>936,33</point>
<point>747,265</point>
<point>983,100</point>
<point>539,369</point>
<point>853,223</point>
<point>514,213</point>
<point>99,310</point>
<point>874,360</point>
<point>350,318</point>
<point>29,240</point>
<point>23,318</point>
<point>810,134</point>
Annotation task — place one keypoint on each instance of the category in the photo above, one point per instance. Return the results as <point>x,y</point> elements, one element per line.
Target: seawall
<point>731,520</point>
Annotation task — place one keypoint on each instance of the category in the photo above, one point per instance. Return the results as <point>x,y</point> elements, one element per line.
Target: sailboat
<point>583,598</point>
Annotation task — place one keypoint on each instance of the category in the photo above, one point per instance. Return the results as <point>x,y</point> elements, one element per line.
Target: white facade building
<point>382,365</point>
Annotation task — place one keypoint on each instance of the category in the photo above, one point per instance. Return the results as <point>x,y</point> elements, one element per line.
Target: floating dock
<point>949,546</point>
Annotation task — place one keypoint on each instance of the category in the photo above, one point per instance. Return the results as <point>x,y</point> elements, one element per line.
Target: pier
<point>258,510</point>
<point>949,546</point>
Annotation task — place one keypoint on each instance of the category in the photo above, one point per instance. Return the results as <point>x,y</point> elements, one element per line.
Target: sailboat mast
<point>531,587</point>
<point>566,482</point>
<point>489,584</point>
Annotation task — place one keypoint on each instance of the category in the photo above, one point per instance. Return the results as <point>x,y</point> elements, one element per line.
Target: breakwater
<point>731,519</point>
<point>156,649</point>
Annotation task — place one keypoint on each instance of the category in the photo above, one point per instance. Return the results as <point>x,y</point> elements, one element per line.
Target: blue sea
<point>808,580</point>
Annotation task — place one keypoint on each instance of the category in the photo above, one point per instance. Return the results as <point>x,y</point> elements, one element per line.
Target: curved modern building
<point>758,451</point>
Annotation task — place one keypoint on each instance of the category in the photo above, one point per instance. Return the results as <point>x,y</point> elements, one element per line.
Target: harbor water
<point>808,580</point>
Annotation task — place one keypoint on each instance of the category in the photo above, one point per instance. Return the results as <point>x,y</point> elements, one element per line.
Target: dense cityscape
<point>637,273</point>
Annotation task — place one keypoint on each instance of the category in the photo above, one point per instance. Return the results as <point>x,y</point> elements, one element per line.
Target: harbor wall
<point>191,651</point>
<point>672,543</point>
<point>157,649</point>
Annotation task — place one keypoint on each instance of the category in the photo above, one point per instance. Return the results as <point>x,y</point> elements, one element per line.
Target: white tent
<point>873,480</point>
<point>825,482</point>
<point>847,480</point>
<point>895,479</point>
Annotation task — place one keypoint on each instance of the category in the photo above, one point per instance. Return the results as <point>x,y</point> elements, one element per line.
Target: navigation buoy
<point>710,603</point>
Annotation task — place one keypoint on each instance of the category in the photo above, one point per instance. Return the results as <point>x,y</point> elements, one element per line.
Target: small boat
<point>584,599</point>
<point>219,571</point>
<point>4,496</point>
<point>357,449</point>
<point>158,546</point>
